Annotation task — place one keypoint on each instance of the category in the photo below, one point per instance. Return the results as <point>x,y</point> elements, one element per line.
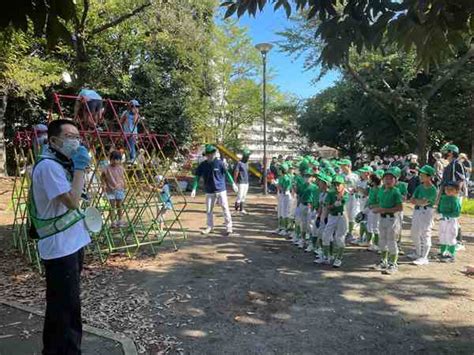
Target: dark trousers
<point>62,331</point>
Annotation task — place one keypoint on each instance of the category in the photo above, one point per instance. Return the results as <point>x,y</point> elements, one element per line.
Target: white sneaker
<point>228,233</point>
<point>277,231</point>
<point>421,261</point>
<point>206,231</point>
<point>337,263</point>
<point>328,261</point>
<point>460,246</point>
<point>413,256</point>
<point>301,243</point>
<point>244,212</point>
<point>282,232</point>
<point>319,260</point>
<point>309,248</point>
<point>373,247</point>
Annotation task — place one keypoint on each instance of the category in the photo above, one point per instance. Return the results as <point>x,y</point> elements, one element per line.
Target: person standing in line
<point>390,202</point>
<point>57,185</point>
<point>213,172</point>
<point>241,176</point>
<point>453,172</point>
<point>450,209</point>
<point>352,206</point>
<point>424,199</point>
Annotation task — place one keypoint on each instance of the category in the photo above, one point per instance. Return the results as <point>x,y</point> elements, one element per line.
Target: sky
<point>290,74</point>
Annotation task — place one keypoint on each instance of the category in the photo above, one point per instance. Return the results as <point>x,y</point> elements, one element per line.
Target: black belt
<point>337,214</point>
<point>422,207</point>
<point>387,215</point>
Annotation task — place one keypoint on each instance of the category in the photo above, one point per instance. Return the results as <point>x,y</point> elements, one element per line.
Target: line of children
<point>326,197</point>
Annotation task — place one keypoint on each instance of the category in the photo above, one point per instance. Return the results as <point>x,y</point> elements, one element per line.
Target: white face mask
<point>70,146</point>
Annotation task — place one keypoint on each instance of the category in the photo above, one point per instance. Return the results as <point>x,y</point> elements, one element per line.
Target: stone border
<point>128,345</point>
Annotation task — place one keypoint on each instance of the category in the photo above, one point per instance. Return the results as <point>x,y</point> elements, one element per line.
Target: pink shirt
<point>114,178</point>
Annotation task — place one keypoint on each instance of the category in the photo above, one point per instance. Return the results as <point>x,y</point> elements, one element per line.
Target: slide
<point>231,155</point>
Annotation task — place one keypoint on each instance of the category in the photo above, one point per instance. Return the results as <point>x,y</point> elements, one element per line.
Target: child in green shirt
<point>337,225</point>
<point>424,198</point>
<point>450,208</point>
<point>390,202</point>
<point>373,219</point>
<point>285,183</point>
<point>323,181</point>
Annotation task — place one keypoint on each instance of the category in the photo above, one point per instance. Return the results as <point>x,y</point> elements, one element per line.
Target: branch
<point>454,69</point>
<point>378,96</point>
<point>120,19</point>
<point>84,15</point>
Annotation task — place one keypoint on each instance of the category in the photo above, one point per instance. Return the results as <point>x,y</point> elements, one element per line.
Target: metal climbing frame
<point>148,221</point>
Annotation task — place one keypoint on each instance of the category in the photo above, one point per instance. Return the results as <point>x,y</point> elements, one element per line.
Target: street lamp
<point>264,48</point>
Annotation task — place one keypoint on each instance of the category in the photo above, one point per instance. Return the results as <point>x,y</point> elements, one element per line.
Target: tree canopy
<point>434,28</point>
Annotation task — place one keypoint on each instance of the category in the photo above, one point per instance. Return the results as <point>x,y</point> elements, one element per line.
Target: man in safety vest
<point>57,185</point>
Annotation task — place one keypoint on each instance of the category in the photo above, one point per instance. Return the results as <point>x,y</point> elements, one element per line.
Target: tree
<point>392,78</point>
<point>434,28</point>
<point>26,71</point>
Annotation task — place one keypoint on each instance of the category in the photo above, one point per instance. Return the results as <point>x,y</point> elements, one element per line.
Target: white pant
<point>448,231</point>
<point>285,205</point>
<point>335,231</point>
<point>298,207</point>
<point>352,207</point>
<point>373,221</point>
<point>389,230</point>
<point>305,218</point>
<point>293,207</point>
<point>421,226</point>
<point>242,194</point>
<point>211,201</point>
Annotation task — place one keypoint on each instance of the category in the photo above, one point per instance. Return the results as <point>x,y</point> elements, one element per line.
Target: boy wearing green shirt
<point>285,183</point>
<point>390,203</point>
<point>336,227</point>
<point>306,200</point>
<point>299,183</point>
<point>424,198</point>
<point>450,208</point>
<point>373,219</point>
<point>403,188</point>
<point>323,181</point>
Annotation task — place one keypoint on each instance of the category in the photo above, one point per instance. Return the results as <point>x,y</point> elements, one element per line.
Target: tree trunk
<point>82,60</point>
<point>3,109</point>
<point>422,133</point>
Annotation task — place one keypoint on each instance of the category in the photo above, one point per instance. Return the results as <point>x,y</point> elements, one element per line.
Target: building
<point>283,139</point>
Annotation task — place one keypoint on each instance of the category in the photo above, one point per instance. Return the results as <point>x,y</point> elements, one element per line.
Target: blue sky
<point>290,74</point>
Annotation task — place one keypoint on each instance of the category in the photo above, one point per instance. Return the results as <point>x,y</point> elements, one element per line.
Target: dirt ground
<point>257,294</point>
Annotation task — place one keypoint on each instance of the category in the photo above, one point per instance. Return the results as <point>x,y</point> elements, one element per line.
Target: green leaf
<point>230,10</point>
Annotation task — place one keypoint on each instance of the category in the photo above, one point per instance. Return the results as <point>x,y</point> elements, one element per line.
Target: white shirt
<point>50,181</point>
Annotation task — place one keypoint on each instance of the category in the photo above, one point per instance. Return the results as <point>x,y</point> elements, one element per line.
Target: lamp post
<point>264,48</point>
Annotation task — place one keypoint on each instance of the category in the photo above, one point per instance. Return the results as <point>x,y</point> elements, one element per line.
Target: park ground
<point>255,293</point>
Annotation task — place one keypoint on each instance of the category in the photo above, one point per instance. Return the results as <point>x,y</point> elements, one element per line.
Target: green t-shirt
<point>307,193</point>
<point>299,184</point>
<point>331,198</point>
<point>428,193</point>
<point>402,187</point>
<point>285,182</point>
<point>449,206</point>
<point>389,198</point>
<point>373,198</point>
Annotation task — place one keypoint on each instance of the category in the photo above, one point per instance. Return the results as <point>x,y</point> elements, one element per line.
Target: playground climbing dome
<point>147,224</point>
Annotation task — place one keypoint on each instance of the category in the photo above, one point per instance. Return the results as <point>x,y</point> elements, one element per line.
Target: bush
<point>467,206</point>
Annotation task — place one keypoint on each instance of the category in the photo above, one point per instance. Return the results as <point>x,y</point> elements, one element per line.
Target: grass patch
<point>467,206</point>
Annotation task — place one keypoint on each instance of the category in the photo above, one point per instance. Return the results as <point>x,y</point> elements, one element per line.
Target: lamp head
<point>264,48</point>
